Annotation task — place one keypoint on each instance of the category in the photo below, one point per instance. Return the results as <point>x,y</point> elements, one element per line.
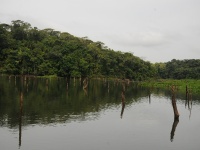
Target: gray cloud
<point>155,30</point>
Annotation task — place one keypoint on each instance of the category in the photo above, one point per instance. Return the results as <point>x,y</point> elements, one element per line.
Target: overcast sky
<point>155,30</point>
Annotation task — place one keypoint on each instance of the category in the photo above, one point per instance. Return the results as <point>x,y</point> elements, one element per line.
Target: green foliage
<point>192,84</point>
<point>179,69</point>
<point>28,50</point>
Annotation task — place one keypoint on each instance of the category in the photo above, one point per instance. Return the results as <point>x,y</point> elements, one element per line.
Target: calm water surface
<point>49,114</point>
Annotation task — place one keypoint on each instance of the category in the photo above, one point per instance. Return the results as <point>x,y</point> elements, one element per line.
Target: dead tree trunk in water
<point>176,114</point>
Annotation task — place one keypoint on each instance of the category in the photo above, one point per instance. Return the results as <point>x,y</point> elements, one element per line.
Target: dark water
<point>41,114</point>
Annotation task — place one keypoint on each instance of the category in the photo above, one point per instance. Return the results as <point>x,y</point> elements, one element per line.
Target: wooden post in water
<point>176,113</point>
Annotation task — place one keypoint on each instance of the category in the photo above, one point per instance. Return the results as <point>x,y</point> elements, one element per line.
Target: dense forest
<point>179,69</point>
<point>27,50</point>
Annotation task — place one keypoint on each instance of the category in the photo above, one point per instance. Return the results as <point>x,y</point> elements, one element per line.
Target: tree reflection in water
<point>20,119</point>
<point>41,101</point>
<point>174,125</point>
<point>123,102</point>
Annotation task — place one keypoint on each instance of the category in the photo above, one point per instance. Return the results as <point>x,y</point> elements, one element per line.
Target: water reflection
<point>122,110</point>
<point>20,119</point>
<point>85,86</point>
<point>46,98</point>
<point>174,125</point>
<point>150,96</point>
<point>188,101</point>
<point>63,101</point>
<point>123,102</point>
<point>124,83</point>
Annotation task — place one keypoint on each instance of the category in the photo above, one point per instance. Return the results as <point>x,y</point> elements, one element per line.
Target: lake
<point>56,113</point>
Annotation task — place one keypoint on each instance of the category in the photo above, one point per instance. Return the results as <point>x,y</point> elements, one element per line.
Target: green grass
<point>192,84</point>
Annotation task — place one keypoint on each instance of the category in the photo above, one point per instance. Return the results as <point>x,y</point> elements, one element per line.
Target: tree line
<point>179,69</point>
<point>27,50</point>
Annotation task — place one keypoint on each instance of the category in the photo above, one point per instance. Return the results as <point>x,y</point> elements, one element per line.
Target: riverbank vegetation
<point>192,85</point>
